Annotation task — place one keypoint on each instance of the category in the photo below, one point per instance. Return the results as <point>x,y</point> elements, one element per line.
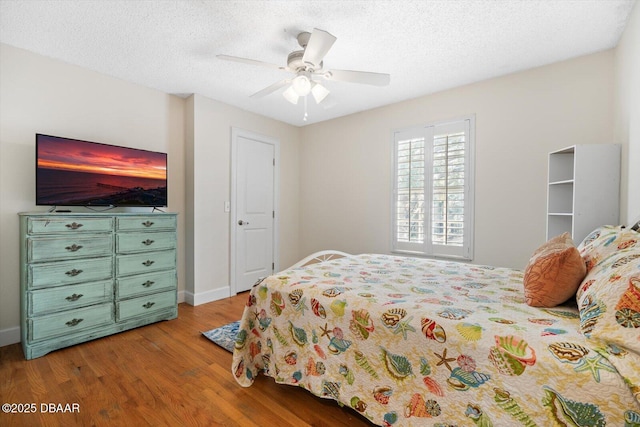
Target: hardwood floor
<point>165,374</point>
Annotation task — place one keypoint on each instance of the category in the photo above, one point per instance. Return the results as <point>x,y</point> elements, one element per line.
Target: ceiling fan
<point>307,64</point>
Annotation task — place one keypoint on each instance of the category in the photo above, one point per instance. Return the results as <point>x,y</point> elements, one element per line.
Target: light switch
<point>227,206</point>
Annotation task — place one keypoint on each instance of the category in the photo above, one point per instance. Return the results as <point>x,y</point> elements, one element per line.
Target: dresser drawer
<point>144,263</point>
<point>68,247</point>
<point>52,274</point>
<point>71,225</point>
<point>149,222</point>
<point>45,301</point>
<point>144,284</point>
<point>140,242</point>
<point>70,322</point>
<point>145,305</point>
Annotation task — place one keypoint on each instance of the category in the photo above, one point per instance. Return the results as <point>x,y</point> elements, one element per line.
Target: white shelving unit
<point>583,189</point>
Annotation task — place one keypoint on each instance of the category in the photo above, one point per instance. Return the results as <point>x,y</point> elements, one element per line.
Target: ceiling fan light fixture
<point>319,92</point>
<point>291,95</point>
<point>301,84</point>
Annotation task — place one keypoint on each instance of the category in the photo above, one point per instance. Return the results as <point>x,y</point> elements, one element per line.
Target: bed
<point>411,341</point>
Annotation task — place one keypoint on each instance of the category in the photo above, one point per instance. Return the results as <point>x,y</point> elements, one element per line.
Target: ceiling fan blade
<point>270,89</point>
<point>249,61</point>
<point>362,77</point>
<point>319,44</point>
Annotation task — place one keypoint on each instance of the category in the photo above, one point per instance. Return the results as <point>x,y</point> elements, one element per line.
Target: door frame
<point>233,220</point>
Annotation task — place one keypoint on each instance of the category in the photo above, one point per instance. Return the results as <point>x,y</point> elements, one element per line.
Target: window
<point>433,190</point>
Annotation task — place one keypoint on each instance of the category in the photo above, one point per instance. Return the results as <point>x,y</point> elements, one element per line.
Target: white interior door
<point>254,213</point>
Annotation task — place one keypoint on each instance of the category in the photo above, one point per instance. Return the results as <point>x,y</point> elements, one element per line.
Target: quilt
<point>410,341</point>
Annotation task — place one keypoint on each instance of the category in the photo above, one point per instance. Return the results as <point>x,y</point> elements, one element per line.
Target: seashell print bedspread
<point>408,341</point>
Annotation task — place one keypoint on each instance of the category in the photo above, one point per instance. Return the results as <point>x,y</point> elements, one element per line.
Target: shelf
<point>560,197</point>
<point>566,181</point>
<point>558,224</point>
<point>561,166</point>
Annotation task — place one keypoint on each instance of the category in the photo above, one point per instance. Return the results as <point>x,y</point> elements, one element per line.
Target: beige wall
<point>346,163</point>
<point>209,173</point>
<point>627,115</point>
<point>39,95</point>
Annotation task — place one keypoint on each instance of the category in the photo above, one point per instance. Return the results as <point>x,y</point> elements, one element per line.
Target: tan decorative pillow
<point>553,273</point>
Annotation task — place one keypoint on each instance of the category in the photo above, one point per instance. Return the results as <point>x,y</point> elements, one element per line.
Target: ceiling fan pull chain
<point>304,118</point>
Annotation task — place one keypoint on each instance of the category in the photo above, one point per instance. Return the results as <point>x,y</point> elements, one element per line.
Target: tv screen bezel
<point>38,202</point>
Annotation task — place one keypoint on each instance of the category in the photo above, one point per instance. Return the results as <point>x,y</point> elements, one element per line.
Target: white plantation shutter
<point>410,207</point>
<point>433,190</point>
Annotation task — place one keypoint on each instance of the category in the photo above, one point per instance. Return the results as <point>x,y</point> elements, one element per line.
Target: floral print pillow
<point>609,298</point>
<point>605,241</point>
<point>609,295</point>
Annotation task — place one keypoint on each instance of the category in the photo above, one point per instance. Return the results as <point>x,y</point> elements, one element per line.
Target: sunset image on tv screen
<point>73,172</point>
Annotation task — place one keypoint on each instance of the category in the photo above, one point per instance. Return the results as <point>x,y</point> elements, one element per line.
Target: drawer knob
<point>147,263</point>
<point>73,226</point>
<point>74,297</point>
<point>73,322</point>
<point>147,242</point>
<point>147,223</point>
<point>73,248</point>
<point>148,283</point>
<point>149,304</point>
<point>73,273</point>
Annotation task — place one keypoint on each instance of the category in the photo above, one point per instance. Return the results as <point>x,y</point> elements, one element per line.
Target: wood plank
<point>162,374</point>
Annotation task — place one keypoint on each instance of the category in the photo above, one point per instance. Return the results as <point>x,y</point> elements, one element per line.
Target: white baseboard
<point>205,297</point>
<point>9,336</point>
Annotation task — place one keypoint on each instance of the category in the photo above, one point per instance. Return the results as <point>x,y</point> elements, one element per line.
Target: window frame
<point>427,247</point>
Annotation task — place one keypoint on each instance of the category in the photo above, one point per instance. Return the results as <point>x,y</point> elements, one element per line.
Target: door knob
<point>241,222</point>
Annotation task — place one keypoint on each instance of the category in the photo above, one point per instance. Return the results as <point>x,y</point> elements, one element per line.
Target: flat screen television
<point>70,172</point>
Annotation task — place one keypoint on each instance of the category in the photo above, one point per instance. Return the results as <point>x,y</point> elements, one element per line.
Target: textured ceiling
<point>426,46</point>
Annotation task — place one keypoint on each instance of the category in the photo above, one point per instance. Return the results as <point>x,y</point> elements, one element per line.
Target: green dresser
<point>85,276</point>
